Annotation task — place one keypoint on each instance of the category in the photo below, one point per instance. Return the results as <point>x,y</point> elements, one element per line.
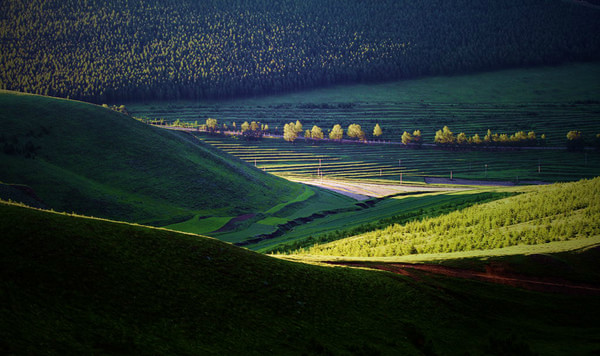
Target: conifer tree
<point>377,131</point>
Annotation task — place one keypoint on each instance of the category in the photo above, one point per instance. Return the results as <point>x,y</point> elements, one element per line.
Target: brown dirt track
<point>492,274</point>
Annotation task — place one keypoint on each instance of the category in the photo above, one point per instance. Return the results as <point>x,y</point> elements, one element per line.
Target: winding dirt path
<point>551,285</point>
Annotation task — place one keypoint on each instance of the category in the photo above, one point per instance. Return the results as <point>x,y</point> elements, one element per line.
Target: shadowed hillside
<point>80,157</point>
<point>74,285</point>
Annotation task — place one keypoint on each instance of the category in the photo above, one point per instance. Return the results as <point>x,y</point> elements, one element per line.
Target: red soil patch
<point>492,274</point>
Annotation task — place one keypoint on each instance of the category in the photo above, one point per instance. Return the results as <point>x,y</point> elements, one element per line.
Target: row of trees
<point>292,130</point>
<point>550,213</point>
<point>414,139</point>
<point>445,137</point>
<point>108,51</point>
<point>576,141</point>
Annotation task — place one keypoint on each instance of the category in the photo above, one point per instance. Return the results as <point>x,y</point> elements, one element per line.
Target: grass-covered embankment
<point>88,159</point>
<point>78,285</point>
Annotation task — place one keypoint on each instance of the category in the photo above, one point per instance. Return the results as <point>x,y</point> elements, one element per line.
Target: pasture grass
<point>455,258</point>
<point>200,224</point>
<point>75,285</point>
<point>312,200</point>
<point>306,194</point>
<point>85,158</point>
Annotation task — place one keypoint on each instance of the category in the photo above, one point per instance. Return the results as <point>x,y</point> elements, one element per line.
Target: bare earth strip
<point>364,191</point>
<point>490,275</point>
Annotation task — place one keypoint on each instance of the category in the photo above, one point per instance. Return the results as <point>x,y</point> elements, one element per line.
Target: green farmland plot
<point>388,162</point>
<point>333,226</point>
<point>312,200</point>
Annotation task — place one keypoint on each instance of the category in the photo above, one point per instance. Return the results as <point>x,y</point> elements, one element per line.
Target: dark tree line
<point>117,50</point>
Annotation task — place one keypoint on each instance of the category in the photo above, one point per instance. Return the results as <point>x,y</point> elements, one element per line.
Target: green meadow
<point>135,226</point>
<point>380,213</point>
<point>74,156</point>
<point>78,285</point>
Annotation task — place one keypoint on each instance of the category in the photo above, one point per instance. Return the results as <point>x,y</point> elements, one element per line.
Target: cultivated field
<point>557,212</point>
<point>383,162</point>
<point>547,100</point>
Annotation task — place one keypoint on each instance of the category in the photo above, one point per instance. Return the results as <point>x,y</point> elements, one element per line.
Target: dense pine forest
<point>119,50</point>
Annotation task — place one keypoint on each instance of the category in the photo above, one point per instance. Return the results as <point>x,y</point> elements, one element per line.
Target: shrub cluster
<point>446,138</point>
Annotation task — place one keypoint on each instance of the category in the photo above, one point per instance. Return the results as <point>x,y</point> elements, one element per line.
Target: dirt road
<point>491,274</point>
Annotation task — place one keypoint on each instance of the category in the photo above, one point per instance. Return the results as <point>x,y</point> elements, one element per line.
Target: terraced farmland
<point>387,162</point>
<point>550,101</point>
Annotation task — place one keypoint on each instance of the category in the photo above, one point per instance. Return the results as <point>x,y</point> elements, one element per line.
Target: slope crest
<point>86,158</point>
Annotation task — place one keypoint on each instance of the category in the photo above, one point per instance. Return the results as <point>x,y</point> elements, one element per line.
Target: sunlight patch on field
<point>550,247</point>
<point>363,191</point>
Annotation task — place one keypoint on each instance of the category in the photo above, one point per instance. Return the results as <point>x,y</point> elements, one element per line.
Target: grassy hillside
<point>85,158</point>
<point>556,212</point>
<point>126,50</point>
<point>74,285</point>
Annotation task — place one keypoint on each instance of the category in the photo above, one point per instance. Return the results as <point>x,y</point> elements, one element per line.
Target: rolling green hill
<point>556,212</point>
<point>139,50</point>
<point>73,285</point>
<point>85,158</point>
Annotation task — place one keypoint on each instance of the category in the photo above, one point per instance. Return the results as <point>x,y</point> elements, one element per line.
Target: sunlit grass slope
<point>555,212</point>
<point>73,285</point>
<point>85,158</point>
